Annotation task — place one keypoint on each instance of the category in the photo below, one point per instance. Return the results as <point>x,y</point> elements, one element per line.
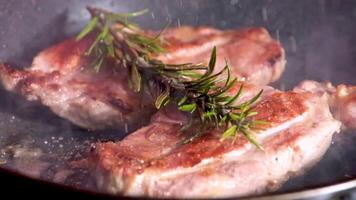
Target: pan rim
<point>316,191</point>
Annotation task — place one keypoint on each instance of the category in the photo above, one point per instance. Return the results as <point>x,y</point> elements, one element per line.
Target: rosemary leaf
<point>105,32</point>
<point>212,62</point>
<point>188,107</point>
<point>230,132</point>
<point>162,99</point>
<point>206,79</point>
<point>190,74</point>
<point>259,122</point>
<point>228,73</point>
<point>98,64</point>
<point>195,88</point>
<point>225,89</point>
<point>252,113</point>
<point>135,78</point>
<point>234,98</point>
<point>109,42</point>
<point>148,44</point>
<point>88,28</point>
<point>251,138</point>
<point>182,100</point>
<point>209,114</point>
<point>92,47</point>
<point>255,98</point>
<point>99,39</point>
<point>234,116</point>
<point>123,16</point>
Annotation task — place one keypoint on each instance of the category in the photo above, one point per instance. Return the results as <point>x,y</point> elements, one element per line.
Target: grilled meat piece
<point>342,100</point>
<point>251,52</point>
<point>58,79</point>
<point>61,79</point>
<point>152,162</point>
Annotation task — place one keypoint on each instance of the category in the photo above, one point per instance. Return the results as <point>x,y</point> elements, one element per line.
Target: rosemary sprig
<point>195,88</point>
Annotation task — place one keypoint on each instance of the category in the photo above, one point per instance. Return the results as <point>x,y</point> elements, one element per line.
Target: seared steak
<point>152,162</point>
<point>61,79</point>
<point>342,100</point>
<point>251,52</point>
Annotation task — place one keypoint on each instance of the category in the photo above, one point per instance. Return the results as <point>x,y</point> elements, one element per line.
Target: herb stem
<point>195,88</point>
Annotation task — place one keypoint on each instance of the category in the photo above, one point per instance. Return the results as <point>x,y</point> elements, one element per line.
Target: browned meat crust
<point>251,52</point>
<point>60,79</point>
<point>151,162</point>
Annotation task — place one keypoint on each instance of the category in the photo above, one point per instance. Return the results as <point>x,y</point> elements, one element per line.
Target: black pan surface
<point>319,37</point>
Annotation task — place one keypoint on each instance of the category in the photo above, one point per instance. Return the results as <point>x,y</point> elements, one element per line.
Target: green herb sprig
<point>194,88</point>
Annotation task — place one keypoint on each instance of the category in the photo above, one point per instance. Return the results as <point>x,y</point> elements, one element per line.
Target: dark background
<point>319,37</point>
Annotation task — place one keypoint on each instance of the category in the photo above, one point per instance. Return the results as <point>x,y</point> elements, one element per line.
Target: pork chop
<point>60,79</point>
<point>152,162</point>
<point>342,100</point>
<point>253,54</point>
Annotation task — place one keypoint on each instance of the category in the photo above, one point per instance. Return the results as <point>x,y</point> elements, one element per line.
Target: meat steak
<point>60,78</point>
<point>342,100</point>
<point>253,54</point>
<point>152,162</point>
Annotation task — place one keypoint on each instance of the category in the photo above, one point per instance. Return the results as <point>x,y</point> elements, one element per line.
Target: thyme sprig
<point>195,88</point>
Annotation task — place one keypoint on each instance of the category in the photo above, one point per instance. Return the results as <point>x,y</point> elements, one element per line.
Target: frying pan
<point>319,37</point>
